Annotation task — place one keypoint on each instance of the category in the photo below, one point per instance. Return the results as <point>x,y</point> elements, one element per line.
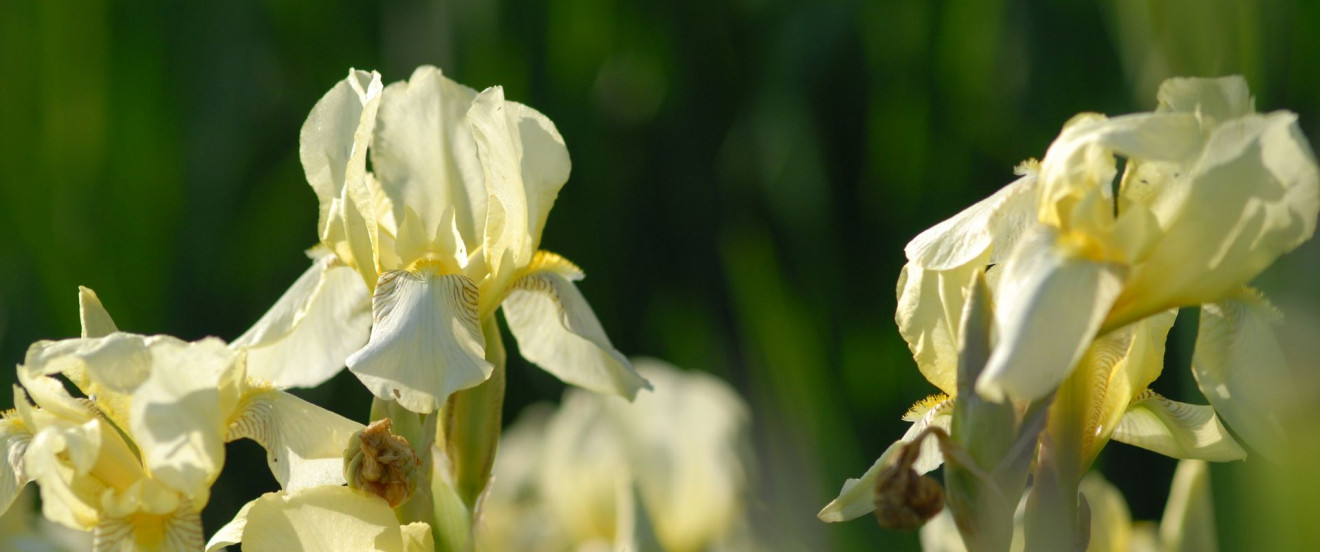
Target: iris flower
<point>321,519</point>
<point>133,460</point>
<point>417,254</point>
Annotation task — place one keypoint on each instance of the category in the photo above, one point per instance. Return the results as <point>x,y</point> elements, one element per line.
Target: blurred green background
<point>745,176</point>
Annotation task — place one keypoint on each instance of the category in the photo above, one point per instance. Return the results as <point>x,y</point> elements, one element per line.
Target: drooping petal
<point>556,329</point>
<point>231,533</point>
<point>14,440</point>
<point>1178,430</point>
<point>525,164</point>
<point>1050,305</point>
<point>304,443</point>
<point>857,497</point>
<point>426,341</point>
<point>315,519</point>
<point>1241,369</point>
<point>424,156</point>
<point>992,224</point>
<point>930,305</point>
<point>303,339</point>
<point>1254,197</point>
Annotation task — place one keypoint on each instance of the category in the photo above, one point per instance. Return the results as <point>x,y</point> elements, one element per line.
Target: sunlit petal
<point>930,305</point>
<point>426,342</point>
<point>303,339</point>
<point>992,224</point>
<point>14,440</point>
<point>556,329</point>
<point>315,519</point>
<point>304,443</point>
<point>1178,430</point>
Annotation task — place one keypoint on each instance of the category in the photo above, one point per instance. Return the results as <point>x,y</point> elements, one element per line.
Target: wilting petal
<point>525,164</point>
<point>304,443</point>
<point>1240,368</point>
<point>14,439</point>
<point>857,497</point>
<point>1189,516</point>
<point>992,224</point>
<point>303,339</point>
<point>930,305</point>
<point>1049,307</point>
<point>316,519</point>
<point>424,155</point>
<point>557,330</point>
<point>1178,430</point>
<point>1255,196</point>
<point>426,342</point>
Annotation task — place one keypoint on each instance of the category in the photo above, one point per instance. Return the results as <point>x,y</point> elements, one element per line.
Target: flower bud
<point>382,463</point>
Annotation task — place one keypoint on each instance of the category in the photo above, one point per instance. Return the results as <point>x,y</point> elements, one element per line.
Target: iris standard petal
<point>556,329</point>
<point>930,305</point>
<point>303,339</point>
<point>423,153</point>
<point>1050,305</point>
<point>426,342</point>
<point>1175,429</point>
<point>992,224</point>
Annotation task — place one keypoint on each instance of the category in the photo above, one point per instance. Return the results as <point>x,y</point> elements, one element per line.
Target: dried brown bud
<point>382,463</point>
<point>905,500</point>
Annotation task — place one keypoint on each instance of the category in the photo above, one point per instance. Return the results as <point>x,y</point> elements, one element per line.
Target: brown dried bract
<point>905,500</point>
<point>382,463</point>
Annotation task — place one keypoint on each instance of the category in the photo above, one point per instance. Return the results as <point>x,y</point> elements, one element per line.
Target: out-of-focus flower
<point>21,531</point>
<point>321,519</point>
<point>133,460</point>
<point>1211,194</point>
<point>443,232</point>
<point>1188,523</point>
<point>672,469</point>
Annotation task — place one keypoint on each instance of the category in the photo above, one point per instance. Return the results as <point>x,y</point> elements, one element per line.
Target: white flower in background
<point>134,460</point>
<point>445,231</point>
<point>671,469</point>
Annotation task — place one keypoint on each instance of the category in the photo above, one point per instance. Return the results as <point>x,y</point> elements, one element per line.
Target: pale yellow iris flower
<point>1211,194</point>
<point>442,231</point>
<point>668,472</point>
<point>321,519</point>
<point>133,460</point>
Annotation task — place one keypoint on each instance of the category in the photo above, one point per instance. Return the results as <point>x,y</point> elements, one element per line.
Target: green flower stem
<point>472,424</point>
<point>1056,519</point>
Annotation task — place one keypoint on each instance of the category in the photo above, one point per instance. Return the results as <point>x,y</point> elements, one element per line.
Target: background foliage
<point>746,173</point>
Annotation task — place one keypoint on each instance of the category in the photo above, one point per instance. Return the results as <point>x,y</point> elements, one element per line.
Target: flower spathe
<point>442,231</point>
<point>133,462</point>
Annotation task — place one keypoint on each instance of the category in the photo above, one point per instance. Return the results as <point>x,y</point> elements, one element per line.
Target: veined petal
<point>1175,429</point>
<point>424,155</point>
<point>525,164</point>
<point>1255,196</point>
<point>14,440</point>
<point>315,519</point>
<point>304,443</point>
<point>1050,305</point>
<point>426,342</point>
<point>930,305</point>
<point>556,329</point>
<point>303,339</point>
<point>992,224</point>
<point>857,497</point>
<point>179,530</point>
<point>1241,369</point>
